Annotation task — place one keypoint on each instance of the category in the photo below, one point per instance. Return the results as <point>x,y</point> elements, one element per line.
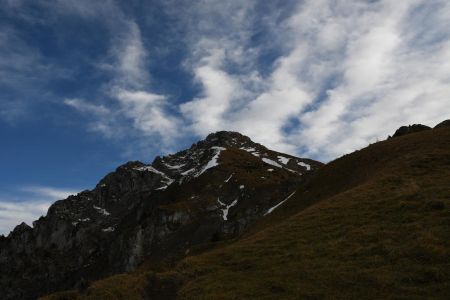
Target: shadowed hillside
<point>371,224</point>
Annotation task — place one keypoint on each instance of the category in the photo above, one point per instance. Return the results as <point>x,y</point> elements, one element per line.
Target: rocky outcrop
<point>410,129</point>
<point>211,191</point>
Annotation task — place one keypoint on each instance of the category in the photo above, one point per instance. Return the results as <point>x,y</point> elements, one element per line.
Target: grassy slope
<point>378,227</point>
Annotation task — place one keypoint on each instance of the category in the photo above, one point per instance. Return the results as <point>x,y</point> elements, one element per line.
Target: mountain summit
<point>156,212</point>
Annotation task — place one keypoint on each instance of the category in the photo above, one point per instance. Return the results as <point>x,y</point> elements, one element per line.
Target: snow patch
<point>283,160</point>
<point>175,167</point>
<point>188,172</point>
<point>241,187</point>
<point>108,229</point>
<point>274,207</point>
<point>101,210</point>
<point>292,171</point>
<point>270,170</point>
<point>213,162</point>
<point>226,208</point>
<point>308,167</point>
<point>271,162</point>
<point>166,179</point>
<point>150,169</point>
<point>161,188</point>
<point>249,149</point>
<point>228,179</point>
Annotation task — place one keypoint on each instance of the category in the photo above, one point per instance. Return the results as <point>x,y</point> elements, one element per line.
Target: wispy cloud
<point>86,106</point>
<point>27,205</point>
<point>131,58</point>
<point>314,78</point>
<point>20,65</point>
<point>147,110</point>
<point>220,90</point>
<point>136,107</point>
<point>46,192</point>
<point>130,88</point>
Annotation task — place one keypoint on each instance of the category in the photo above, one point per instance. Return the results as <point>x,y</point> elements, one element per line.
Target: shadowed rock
<point>404,130</point>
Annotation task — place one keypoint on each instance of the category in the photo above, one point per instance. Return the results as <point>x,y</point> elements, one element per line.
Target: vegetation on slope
<point>372,224</point>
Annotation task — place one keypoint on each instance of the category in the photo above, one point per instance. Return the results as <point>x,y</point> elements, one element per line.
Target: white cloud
<point>131,58</point>
<point>148,113</point>
<point>219,92</point>
<point>385,81</point>
<point>85,106</point>
<point>103,119</point>
<point>351,72</point>
<point>33,203</point>
<point>130,88</point>
<point>46,192</point>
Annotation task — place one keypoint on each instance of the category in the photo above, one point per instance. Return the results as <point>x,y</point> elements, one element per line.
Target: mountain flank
<point>373,224</point>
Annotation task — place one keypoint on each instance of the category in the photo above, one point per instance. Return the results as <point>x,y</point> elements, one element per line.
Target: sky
<point>87,85</point>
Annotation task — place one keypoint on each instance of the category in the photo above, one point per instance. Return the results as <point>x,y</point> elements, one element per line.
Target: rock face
<point>410,129</point>
<point>214,190</point>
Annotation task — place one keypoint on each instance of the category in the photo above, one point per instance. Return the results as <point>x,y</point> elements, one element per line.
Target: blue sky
<point>88,85</point>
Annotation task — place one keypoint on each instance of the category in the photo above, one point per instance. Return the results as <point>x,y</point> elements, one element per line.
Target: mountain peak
<point>226,135</point>
<point>226,139</point>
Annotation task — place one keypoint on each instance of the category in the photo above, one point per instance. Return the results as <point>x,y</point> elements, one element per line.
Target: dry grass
<point>356,245</point>
<point>122,286</point>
